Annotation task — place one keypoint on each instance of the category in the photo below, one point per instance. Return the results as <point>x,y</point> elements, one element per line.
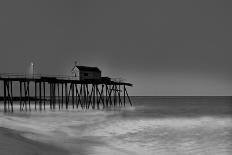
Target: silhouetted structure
<point>91,91</point>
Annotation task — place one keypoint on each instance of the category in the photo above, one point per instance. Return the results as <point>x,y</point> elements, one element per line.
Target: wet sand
<point>12,143</point>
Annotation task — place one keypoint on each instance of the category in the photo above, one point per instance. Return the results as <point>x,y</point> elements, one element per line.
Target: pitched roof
<point>86,68</point>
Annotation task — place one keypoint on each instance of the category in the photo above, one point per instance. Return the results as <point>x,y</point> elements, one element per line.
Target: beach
<point>12,143</point>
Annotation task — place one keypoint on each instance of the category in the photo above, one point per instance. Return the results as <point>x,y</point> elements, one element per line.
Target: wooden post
<point>66,95</point>
<point>35,94</point>
<point>11,96</point>
<point>7,96</point>
<point>54,95</point>
<point>106,95</point>
<point>62,95</point>
<point>8,99</point>
<point>58,94</point>
<point>97,96</point>
<point>72,84</point>
<point>5,107</point>
<point>69,92</point>
<point>94,90</point>
<point>20,93</point>
<point>28,91</point>
<point>102,96</point>
<point>24,96</point>
<point>44,94</point>
<point>84,89</point>
<point>128,97</point>
<point>115,102</point>
<point>119,96</point>
<point>79,95</point>
<point>40,96</point>
<point>124,95</point>
<point>91,96</point>
<point>110,94</point>
<point>50,86</point>
<point>87,96</point>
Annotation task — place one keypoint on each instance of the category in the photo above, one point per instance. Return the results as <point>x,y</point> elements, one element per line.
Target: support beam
<point>94,90</point>
<point>72,86</point>
<point>62,95</point>
<point>54,95</point>
<point>124,95</point>
<point>44,98</point>
<point>20,93</point>
<point>128,97</point>
<point>78,101</point>
<point>5,107</point>
<point>106,95</point>
<point>40,96</point>
<point>35,94</point>
<point>11,89</point>
<point>58,94</point>
<point>28,93</point>
<point>66,95</point>
<point>119,96</point>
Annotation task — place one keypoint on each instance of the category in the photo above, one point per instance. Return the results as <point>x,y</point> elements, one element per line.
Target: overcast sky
<point>163,47</point>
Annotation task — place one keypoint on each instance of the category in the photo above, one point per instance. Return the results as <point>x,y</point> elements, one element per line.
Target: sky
<point>163,47</point>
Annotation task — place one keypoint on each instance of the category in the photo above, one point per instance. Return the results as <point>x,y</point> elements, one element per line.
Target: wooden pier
<point>41,92</point>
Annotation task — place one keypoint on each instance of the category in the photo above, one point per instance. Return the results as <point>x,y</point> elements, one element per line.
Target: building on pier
<point>86,72</point>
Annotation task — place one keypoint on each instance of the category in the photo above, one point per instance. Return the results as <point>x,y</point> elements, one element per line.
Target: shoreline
<point>12,143</point>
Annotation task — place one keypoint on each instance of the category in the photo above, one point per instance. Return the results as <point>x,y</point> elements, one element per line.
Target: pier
<point>39,92</point>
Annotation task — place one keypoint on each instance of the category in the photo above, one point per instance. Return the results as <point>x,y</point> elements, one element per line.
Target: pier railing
<point>37,76</point>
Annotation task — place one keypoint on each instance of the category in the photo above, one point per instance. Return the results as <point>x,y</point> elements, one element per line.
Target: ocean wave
<point>125,135</point>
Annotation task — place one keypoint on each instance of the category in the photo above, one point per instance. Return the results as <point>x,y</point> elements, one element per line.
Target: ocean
<point>153,125</point>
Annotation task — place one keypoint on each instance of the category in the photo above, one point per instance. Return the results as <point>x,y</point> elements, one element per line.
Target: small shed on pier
<point>85,72</point>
